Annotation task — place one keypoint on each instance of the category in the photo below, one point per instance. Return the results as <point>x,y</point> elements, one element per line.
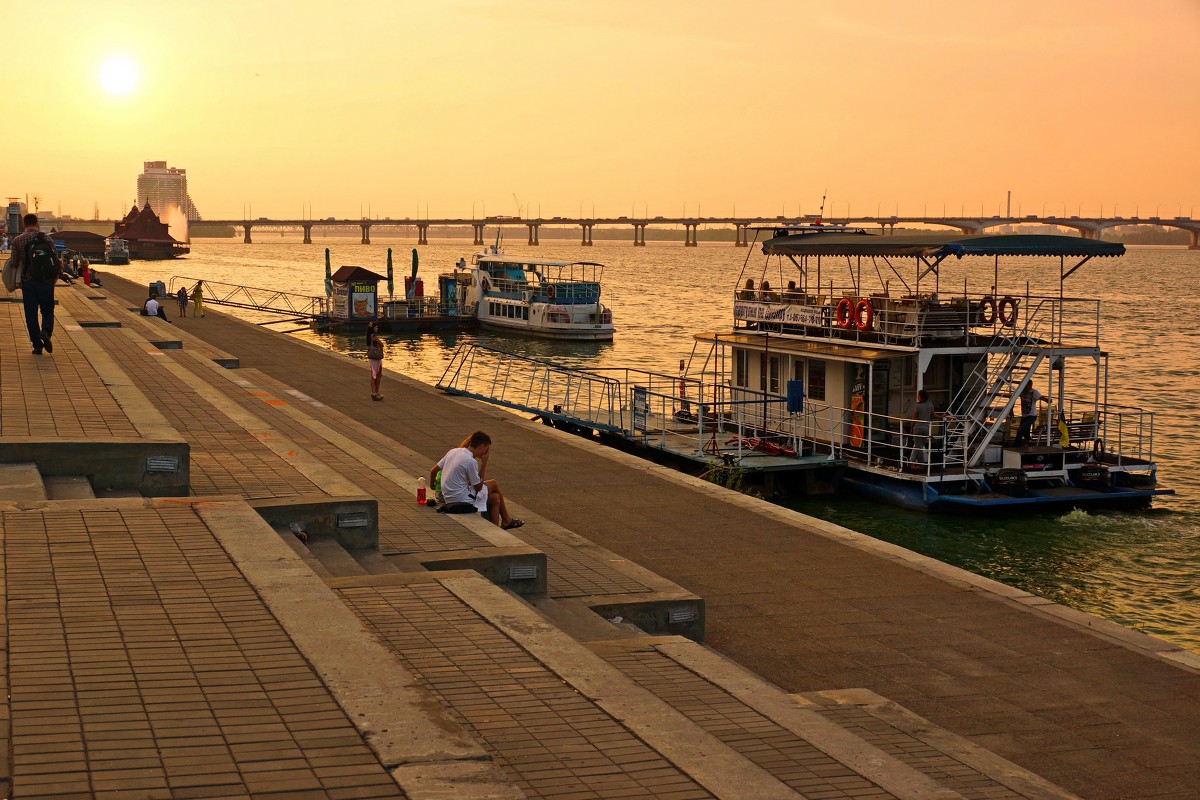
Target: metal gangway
<point>535,386</point>
<point>290,305</point>
<point>703,422</point>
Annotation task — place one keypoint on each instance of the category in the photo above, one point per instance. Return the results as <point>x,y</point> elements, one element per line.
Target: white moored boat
<point>552,299</point>
<point>116,251</point>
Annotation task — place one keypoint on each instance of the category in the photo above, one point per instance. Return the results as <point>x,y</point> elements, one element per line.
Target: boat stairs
<point>675,417</point>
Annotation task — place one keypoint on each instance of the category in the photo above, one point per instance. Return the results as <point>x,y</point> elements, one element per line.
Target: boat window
<point>741,361</point>
<point>816,379</point>
<point>773,366</point>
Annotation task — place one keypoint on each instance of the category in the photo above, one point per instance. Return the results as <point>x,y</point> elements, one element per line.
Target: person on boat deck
<point>463,482</point>
<point>791,293</point>
<point>767,294</point>
<point>1029,398</point>
<point>922,415</point>
<point>748,292</point>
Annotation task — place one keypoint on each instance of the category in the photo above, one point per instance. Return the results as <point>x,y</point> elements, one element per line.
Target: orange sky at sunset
<point>624,104</point>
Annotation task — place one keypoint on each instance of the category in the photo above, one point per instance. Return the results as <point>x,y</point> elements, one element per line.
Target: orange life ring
<point>987,310</point>
<point>864,315</point>
<point>845,312</point>
<point>550,290</point>
<point>1007,311</point>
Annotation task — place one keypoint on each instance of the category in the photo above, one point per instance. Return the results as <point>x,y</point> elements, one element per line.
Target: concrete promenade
<point>191,646</point>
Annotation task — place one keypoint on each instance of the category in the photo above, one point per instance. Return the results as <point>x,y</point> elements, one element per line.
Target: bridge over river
<point>1088,227</point>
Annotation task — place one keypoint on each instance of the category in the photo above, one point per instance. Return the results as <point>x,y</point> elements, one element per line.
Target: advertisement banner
<point>813,316</point>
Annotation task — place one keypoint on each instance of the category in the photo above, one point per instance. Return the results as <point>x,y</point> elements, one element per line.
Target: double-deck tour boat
<point>864,322</point>
<point>552,299</point>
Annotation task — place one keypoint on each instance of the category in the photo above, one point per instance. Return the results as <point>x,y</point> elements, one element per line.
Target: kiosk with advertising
<point>355,295</point>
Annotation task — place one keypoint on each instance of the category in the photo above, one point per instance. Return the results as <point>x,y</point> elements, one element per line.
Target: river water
<point>1138,569</point>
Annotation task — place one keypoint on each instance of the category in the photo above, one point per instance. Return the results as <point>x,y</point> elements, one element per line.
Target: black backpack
<point>41,259</point>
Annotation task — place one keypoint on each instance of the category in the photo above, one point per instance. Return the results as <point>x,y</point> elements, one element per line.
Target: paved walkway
<point>1098,710</point>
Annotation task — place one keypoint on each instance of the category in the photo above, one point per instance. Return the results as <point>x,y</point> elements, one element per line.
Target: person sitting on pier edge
<point>464,486</point>
<point>1029,398</point>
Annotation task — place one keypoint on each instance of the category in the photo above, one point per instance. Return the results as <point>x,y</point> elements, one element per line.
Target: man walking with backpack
<point>38,268</point>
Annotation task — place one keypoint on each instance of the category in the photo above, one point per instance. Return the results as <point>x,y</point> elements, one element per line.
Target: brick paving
<point>142,664</point>
<point>785,754</point>
<point>945,769</point>
<point>225,457</point>
<point>56,394</point>
<point>808,612</point>
<point>556,743</point>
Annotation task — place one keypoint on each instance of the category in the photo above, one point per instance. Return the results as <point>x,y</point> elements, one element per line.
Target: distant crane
<point>36,201</point>
<point>517,203</point>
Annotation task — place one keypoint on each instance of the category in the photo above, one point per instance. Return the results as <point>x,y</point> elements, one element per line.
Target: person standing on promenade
<point>182,298</point>
<point>38,267</point>
<point>198,300</point>
<point>463,483</point>
<point>375,358</point>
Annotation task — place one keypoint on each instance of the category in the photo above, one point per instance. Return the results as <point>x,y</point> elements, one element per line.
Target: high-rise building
<point>165,188</point>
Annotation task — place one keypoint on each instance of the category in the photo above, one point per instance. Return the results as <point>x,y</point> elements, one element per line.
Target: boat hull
<point>599,333</point>
<point>919,495</point>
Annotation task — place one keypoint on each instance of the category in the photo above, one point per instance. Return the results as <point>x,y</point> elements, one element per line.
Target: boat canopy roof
<point>533,262</point>
<point>861,243</point>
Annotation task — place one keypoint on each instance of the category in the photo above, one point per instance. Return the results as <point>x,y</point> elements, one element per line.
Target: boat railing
<point>879,317</point>
<point>421,307</point>
<point>686,415</point>
<point>1116,434</point>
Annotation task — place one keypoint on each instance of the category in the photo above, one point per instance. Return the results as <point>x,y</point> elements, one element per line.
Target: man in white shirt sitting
<point>463,483</point>
<point>153,308</point>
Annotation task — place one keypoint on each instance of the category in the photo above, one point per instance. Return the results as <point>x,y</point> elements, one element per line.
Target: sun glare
<point>118,75</point>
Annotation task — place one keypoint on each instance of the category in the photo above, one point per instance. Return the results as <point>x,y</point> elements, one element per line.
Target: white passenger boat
<point>116,251</point>
<point>856,324</point>
<point>552,299</point>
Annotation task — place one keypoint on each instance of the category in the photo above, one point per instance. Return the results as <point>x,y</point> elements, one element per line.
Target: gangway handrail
<point>242,296</point>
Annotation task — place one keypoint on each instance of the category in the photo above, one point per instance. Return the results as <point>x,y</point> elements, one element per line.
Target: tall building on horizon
<point>165,187</point>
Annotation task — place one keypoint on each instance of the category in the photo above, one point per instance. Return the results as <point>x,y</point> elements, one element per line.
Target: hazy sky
<point>625,104</point>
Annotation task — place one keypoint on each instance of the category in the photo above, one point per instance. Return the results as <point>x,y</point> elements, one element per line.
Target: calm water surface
<point>1141,570</point>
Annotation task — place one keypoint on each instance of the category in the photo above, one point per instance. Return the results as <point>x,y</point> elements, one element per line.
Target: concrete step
<point>798,736</point>
<point>580,622</point>
<point>335,558</point>
<point>955,762</point>
<point>118,493</point>
<point>555,718</point>
<point>68,487</point>
<point>374,562</point>
<point>21,482</point>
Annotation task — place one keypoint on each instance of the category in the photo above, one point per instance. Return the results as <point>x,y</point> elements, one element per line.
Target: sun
<point>118,75</point>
